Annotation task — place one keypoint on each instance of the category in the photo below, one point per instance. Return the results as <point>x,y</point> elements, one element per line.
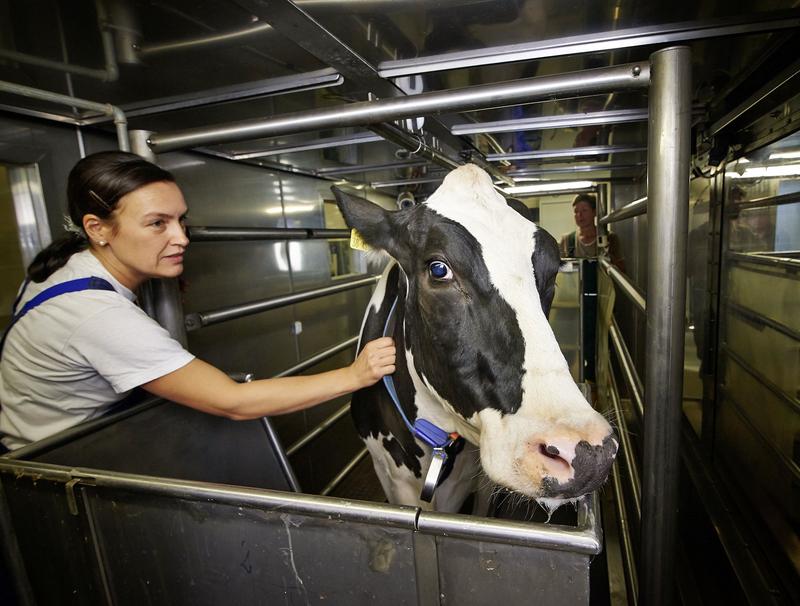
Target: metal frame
<point>616,116</point>
<point>198,233</point>
<point>571,152</point>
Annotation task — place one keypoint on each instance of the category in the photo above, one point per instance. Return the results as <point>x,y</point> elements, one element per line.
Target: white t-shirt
<point>69,359</point>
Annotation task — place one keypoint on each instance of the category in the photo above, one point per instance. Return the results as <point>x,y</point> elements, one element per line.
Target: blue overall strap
<point>63,288</point>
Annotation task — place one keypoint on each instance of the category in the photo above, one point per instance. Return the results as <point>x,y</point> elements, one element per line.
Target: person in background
<point>582,242</point>
<point>78,343</point>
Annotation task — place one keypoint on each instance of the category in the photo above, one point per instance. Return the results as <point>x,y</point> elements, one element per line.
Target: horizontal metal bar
<point>527,172</point>
<point>195,321</point>
<point>325,143</point>
<point>67,68</point>
<point>735,208</point>
<point>616,116</point>
<point>401,182</point>
<point>208,40</point>
<point>787,399</point>
<point>230,234</point>
<point>584,539</point>
<point>762,259</point>
<point>625,284</point>
<point>331,486</point>
<point>587,82</point>
<point>761,320</point>
<point>366,168</point>
<point>399,516</point>
<point>570,152</point>
<point>628,369</point>
<point>318,430</point>
<point>751,23</point>
<point>634,209</point>
<point>319,357</point>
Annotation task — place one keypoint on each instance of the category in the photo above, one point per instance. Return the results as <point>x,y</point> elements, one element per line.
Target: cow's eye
<point>440,270</point>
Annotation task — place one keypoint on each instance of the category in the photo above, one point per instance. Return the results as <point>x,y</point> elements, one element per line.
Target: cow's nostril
<point>549,451</point>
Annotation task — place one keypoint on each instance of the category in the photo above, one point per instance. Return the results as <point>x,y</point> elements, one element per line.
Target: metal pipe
<point>69,68</point>
<point>668,215</point>
<point>318,430</point>
<point>751,23</point>
<point>628,368</point>
<point>316,359</point>
<point>629,555</point>
<point>103,108</point>
<point>625,284</point>
<point>617,116</point>
<point>587,82</point>
<point>199,233</point>
<point>628,453</point>
<point>325,143</point>
<point>331,486</point>
<point>209,40</point>
<point>571,152</point>
<point>198,320</point>
<point>280,454</point>
<point>415,144</point>
<point>530,172</point>
<point>634,209</point>
<point>736,207</point>
<point>366,168</point>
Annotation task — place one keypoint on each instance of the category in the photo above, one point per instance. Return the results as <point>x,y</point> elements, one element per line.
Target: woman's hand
<point>375,360</point>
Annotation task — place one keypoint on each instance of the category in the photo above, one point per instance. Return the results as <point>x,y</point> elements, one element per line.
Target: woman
<point>69,357</point>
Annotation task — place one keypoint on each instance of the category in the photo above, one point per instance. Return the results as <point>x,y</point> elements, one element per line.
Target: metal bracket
<point>72,502</point>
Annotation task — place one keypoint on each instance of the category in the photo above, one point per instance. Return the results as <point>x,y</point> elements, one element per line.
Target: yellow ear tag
<point>357,242</point>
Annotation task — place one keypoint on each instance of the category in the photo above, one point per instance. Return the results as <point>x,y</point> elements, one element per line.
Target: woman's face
<point>146,237</point>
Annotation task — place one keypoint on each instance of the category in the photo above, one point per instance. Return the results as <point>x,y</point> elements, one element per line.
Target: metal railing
<point>195,321</point>
<point>237,234</point>
<point>625,284</point>
<point>635,208</point>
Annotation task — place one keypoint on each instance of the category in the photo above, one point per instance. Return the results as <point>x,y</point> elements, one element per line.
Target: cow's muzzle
<point>589,467</point>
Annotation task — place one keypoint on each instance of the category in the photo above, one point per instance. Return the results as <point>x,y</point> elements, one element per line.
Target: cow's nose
<point>572,469</point>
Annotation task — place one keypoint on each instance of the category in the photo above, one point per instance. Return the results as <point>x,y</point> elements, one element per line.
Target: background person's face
<point>584,214</point>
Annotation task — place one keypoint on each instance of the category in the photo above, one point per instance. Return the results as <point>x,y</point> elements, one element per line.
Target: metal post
<point>161,298</point>
<point>668,204</point>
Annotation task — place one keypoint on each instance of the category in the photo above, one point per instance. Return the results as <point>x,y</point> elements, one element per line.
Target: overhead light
<point>760,172</point>
<point>792,155</point>
<point>546,187</point>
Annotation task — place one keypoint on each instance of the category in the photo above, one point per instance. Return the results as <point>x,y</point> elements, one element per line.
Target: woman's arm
<point>206,388</point>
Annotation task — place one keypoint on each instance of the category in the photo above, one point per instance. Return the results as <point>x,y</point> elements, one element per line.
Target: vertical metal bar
<point>668,204</point>
<point>161,298</point>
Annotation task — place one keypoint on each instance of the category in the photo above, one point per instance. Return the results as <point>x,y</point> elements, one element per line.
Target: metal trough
<point>160,504</point>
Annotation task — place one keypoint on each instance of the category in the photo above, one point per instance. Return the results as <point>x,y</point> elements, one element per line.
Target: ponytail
<point>55,256</point>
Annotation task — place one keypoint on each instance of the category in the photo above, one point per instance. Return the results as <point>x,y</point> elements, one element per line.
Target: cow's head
<point>480,281</point>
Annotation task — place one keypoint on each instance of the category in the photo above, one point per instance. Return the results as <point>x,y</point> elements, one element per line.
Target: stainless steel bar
<point>198,320</point>
<point>531,172</point>
<point>768,260</point>
<point>628,369</point>
<point>561,538</point>
<point>331,486</point>
<point>587,82</point>
<point>751,23</point>
<point>290,148</point>
<point>103,108</point>
<point>234,234</point>
<point>787,399</point>
<point>401,182</point>
<point>634,209</point>
<point>628,553</point>
<point>280,454</point>
<point>669,140</point>
<point>270,500</point>
<point>67,68</point>
<point>572,152</point>
<point>214,39</point>
<point>318,430</point>
<point>617,116</point>
<point>365,168</point>
<point>317,358</point>
<point>761,321</point>
<point>628,453</point>
<point>625,284</point>
<point>734,208</point>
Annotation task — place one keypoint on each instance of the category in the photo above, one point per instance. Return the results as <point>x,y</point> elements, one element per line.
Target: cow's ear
<point>375,224</point>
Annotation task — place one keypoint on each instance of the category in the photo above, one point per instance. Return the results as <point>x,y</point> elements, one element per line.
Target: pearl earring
<point>101,242</point>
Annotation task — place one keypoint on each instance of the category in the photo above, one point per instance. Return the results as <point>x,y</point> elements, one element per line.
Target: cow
<point>473,280</point>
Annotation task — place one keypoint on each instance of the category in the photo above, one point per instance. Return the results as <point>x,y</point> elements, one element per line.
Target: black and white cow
<point>475,353</point>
